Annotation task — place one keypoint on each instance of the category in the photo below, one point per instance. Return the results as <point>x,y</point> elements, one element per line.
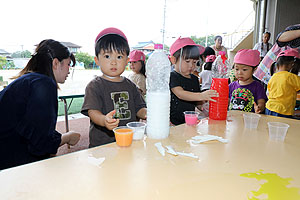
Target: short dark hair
<point>285,60</point>
<point>188,52</point>
<point>111,42</point>
<point>268,33</point>
<point>218,36</point>
<point>208,51</point>
<point>288,60</point>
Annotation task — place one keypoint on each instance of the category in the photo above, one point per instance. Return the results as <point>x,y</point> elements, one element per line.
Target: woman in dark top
<point>28,108</point>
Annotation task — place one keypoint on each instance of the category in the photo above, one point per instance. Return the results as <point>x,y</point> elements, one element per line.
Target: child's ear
<point>254,68</point>
<point>173,59</point>
<point>96,60</point>
<point>128,60</point>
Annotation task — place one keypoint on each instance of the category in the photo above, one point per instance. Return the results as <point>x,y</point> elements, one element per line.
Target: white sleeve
<point>256,46</point>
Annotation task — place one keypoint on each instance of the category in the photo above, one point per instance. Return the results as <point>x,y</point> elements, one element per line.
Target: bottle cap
<point>158,46</point>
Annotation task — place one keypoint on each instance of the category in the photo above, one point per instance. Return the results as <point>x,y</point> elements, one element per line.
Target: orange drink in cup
<point>123,136</point>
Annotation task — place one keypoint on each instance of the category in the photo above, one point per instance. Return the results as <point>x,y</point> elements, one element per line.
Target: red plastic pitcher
<point>218,109</point>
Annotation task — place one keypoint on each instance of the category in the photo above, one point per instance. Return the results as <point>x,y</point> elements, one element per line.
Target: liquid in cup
<point>191,117</point>
<point>251,120</point>
<point>123,136</point>
<point>138,129</point>
<point>277,130</point>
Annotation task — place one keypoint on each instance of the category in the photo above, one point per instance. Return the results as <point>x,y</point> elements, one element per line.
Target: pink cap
<point>136,55</point>
<point>289,52</point>
<point>182,42</point>
<point>247,57</point>
<point>210,58</point>
<point>108,31</point>
<point>158,46</point>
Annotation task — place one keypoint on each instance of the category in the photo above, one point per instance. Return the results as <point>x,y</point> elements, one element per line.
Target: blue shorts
<point>269,112</point>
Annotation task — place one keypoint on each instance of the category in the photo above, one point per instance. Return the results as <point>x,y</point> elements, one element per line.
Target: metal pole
<point>66,117</point>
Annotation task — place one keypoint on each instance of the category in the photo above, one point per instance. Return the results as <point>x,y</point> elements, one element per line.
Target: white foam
<point>158,114</point>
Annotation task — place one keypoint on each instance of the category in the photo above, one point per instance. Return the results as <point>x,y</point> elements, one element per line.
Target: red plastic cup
<point>218,109</point>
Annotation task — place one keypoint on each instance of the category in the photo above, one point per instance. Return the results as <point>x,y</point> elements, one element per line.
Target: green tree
<point>21,54</point>
<point>3,62</point>
<point>85,58</point>
<point>202,40</point>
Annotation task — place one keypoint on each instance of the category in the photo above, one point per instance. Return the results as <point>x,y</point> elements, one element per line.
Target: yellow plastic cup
<point>123,136</point>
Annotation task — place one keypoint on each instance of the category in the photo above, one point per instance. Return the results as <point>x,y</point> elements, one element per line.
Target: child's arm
<point>200,80</point>
<point>194,96</point>
<point>104,120</point>
<point>142,113</point>
<point>260,106</point>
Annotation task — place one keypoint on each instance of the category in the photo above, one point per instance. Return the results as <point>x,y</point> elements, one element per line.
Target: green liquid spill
<point>275,187</point>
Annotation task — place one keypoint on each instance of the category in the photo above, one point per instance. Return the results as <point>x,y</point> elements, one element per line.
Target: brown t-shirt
<point>105,96</point>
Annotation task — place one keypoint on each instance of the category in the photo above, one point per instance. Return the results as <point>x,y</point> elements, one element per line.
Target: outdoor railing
<point>230,40</point>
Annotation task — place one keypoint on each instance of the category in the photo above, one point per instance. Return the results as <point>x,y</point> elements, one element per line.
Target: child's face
<point>187,66</point>
<point>135,66</point>
<point>243,72</point>
<point>112,63</point>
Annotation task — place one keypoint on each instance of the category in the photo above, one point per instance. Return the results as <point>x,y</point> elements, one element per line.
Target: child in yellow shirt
<point>283,85</point>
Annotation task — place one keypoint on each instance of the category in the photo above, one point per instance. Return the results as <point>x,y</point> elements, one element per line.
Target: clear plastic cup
<point>138,129</point>
<point>191,117</point>
<point>251,120</point>
<point>277,130</point>
<point>123,136</point>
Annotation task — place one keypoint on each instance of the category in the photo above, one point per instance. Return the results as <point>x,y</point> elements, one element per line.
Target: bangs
<point>111,43</point>
<point>188,52</point>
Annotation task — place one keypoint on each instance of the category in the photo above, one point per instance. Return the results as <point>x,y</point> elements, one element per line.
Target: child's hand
<point>110,122</point>
<point>207,95</point>
<point>257,108</point>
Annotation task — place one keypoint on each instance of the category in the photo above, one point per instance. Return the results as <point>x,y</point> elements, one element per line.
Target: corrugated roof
<point>70,44</point>
<point>2,51</point>
<point>142,44</point>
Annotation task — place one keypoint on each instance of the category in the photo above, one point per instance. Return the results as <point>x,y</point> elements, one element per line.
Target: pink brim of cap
<point>109,31</point>
<point>183,42</point>
<point>289,52</point>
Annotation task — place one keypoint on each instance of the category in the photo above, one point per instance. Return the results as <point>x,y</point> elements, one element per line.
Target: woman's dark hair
<point>207,66</point>
<point>143,68</point>
<point>218,36</point>
<point>188,52</point>
<point>41,60</point>
<point>111,42</point>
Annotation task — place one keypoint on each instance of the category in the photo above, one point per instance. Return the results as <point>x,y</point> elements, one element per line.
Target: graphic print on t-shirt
<point>120,100</point>
<point>241,99</point>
